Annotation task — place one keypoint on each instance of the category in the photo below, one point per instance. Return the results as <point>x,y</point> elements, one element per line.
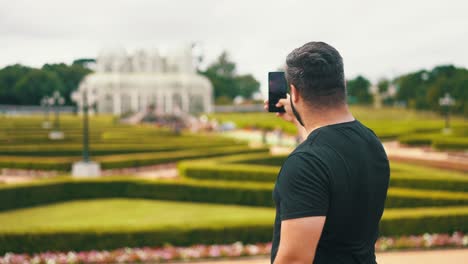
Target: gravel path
<point>452,256</point>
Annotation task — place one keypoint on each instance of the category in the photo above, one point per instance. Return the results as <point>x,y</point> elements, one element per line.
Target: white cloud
<point>376,38</point>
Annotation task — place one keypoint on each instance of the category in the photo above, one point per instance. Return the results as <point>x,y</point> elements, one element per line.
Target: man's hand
<point>288,114</point>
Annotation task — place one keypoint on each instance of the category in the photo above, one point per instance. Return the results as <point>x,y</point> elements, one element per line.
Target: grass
<point>139,214</point>
<point>129,214</point>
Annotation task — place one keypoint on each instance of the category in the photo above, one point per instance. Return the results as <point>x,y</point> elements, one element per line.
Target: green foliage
<point>26,86</point>
<point>456,140</point>
<point>264,168</point>
<point>66,189</point>
<point>227,84</point>
<point>224,171</point>
<point>100,149</point>
<point>112,223</point>
<point>247,85</point>
<point>225,227</point>
<point>9,76</point>
<point>35,84</point>
<point>123,160</point>
<point>69,75</point>
<point>83,61</point>
<point>387,123</point>
<point>228,179</point>
<point>220,192</point>
<point>97,240</point>
<point>383,85</point>
<point>422,89</point>
<point>423,220</point>
<point>25,144</point>
<point>108,214</point>
<point>358,90</point>
<point>450,143</point>
<point>420,177</point>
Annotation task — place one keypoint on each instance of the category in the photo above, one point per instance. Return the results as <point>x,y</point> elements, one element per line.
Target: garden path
<point>452,256</point>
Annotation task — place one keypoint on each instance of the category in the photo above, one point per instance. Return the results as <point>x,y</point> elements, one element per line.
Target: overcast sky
<point>376,38</point>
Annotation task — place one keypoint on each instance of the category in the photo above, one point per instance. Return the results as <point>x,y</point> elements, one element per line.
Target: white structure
<point>86,169</point>
<point>131,83</point>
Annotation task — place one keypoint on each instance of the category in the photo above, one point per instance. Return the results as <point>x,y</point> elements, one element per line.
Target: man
<point>331,190</point>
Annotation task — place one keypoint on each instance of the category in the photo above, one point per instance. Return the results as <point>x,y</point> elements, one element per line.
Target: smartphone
<point>277,89</point>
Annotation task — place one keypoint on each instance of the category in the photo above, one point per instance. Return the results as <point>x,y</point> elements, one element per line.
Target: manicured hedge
<point>256,167</point>
<point>394,222</point>
<point>96,240</point>
<point>230,172</point>
<point>416,139</point>
<point>416,221</point>
<point>75,149</point>
<point>459,185</point>
<point>437,141</point>
<point>27,195</point>
<point>38,163</point>
<point>455,143</point>
<point>123,160</point>
<point>253,194</point>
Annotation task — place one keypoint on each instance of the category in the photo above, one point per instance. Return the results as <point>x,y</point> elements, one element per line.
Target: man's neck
<point>319,118</point>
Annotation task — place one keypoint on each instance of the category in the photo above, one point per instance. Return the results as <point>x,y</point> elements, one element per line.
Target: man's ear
<point>294,93</point>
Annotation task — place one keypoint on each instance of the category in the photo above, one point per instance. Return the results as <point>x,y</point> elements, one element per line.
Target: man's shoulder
<point>312,147</point>
<point>306,159</point>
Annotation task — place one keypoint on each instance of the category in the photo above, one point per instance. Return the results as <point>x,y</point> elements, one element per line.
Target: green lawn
<point>130,214</point>
<point>139,214</point>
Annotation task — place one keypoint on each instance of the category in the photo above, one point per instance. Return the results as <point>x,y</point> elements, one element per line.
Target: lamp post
<point>45,105</point>
<point>85,128</point>
<point>85,167</point>
<point>56,100</point>
<point>447,101</point>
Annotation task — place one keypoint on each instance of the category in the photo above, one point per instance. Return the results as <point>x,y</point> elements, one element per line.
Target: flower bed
<point>196,252</point>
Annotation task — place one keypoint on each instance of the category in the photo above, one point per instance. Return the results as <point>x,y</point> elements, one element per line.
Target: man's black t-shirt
<point>340,171</point>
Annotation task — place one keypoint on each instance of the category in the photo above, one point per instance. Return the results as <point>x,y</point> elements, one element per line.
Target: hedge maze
<point>407,126</point>
<point>215,173</point>
<point>25,145</point>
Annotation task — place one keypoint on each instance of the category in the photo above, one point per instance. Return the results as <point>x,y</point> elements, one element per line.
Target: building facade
<point>124,83</point>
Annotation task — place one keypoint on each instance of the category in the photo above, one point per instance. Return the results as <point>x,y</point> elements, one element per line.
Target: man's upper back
<point>340,171</point>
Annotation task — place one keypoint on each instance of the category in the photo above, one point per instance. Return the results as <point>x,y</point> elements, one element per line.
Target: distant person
<point>331,190</point>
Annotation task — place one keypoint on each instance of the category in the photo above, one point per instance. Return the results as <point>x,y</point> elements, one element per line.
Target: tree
<point>25,85</point>
<point>383,85</point>
<point>358,90</point>
<point>83,62</point>
<point>226,83</point>
<point>9,76</point>
<point>422,89</point>
<point>71,76</point>
<point>35,84</point>
<point>221,73</point>
<point>248,85</point>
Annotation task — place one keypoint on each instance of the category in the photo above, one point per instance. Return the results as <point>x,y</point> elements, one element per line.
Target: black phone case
<point>272,101</point>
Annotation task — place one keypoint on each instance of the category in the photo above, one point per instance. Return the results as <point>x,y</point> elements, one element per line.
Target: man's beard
<point>296,114</point>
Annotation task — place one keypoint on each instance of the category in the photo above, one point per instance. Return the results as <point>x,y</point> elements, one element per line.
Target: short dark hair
<point>316,70</point>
